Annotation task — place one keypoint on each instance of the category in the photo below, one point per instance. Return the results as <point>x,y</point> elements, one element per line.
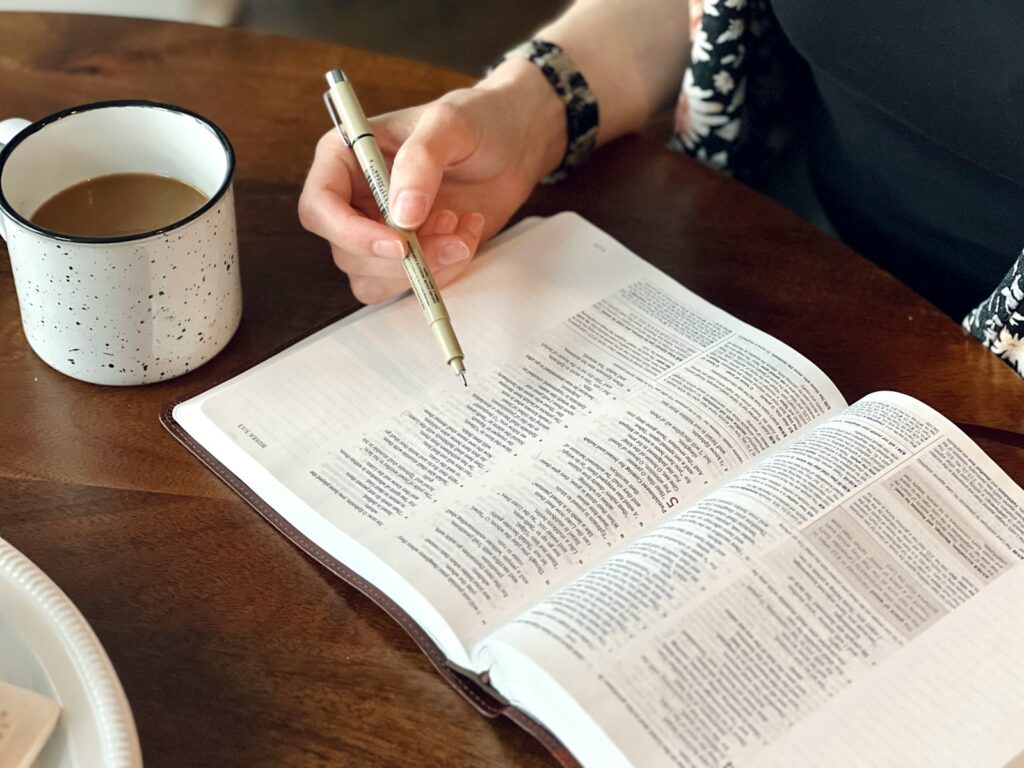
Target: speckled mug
<point>122,310</point>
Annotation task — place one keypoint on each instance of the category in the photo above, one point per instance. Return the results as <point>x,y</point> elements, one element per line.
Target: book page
<point>790,606</point>
<point>602,395</point>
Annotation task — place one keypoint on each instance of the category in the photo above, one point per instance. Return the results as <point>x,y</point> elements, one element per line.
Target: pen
<point>348,117</point>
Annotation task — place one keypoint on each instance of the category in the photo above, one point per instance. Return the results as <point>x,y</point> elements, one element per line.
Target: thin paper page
<point>954,698</point>
<point>608,361</point>
<point>550,511</point>
<point>362,372</point>
<point>707,640</point>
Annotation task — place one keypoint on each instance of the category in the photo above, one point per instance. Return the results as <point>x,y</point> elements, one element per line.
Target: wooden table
<point>233,647</point>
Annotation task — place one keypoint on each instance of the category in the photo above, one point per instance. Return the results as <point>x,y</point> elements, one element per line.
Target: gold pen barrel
<point>355,130</point>
<point>442,328</point>
<point>431,302</point>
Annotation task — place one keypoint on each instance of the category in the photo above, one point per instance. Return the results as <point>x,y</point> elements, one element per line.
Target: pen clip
<point>336,118</point>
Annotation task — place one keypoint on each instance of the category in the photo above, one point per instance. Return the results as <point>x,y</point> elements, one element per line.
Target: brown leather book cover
<point>485,701</point>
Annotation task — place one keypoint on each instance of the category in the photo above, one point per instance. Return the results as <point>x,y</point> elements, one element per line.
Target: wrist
<point>528,99</point>
<point>573,90</point>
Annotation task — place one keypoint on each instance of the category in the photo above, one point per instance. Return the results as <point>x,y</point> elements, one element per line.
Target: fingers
<point>441,222</point>
<point>374,290</point>
<point>443,249</point>
<point>371,290</point>
<point>440,139</point>
<point>448,241</point>
<point>460,246</point>
<point>326,209</point>
<point>334,205</point>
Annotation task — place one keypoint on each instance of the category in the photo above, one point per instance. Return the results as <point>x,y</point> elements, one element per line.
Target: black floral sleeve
<point>743,91</point>
<point>998,322</point>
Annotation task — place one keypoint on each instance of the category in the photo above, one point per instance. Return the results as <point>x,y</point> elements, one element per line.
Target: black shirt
<point>918,135</point>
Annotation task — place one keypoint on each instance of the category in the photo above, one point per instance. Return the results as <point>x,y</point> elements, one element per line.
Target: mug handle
<point>8,130</point>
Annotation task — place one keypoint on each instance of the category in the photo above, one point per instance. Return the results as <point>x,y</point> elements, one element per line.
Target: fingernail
<point>389,249</point>
<point>447,221</point>
<point>475,224</point>
<point>410,208</point>
<point>453,252</point>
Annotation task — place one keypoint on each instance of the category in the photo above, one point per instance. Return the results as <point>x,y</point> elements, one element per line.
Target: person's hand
<point>461,166</point>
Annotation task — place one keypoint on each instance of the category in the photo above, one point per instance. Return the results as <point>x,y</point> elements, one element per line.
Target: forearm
<point>632,53</point>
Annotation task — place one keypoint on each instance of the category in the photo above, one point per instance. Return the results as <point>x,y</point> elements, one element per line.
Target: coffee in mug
<point>145,287</point>
<point>118,204</point>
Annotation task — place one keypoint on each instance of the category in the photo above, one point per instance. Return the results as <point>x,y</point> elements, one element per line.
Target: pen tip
<point>465,383</point>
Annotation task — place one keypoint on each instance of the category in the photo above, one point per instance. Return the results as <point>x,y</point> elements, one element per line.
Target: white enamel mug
<point>132,309</point>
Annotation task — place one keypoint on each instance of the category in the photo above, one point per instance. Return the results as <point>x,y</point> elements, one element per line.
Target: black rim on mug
<point>38,125</point>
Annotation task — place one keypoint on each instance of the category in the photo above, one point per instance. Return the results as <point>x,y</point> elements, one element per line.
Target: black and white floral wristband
<point>572,88</point>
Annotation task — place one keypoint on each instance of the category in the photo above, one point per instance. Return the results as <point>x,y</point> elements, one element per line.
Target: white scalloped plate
<point>47,646</point>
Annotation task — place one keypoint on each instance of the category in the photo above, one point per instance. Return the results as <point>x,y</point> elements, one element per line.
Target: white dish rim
<point>118,735</point>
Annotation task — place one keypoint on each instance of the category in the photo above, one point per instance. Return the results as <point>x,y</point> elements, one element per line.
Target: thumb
<point>440,139</point>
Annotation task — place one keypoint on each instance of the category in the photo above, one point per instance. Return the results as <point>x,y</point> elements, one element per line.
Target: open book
<point>657,531</point>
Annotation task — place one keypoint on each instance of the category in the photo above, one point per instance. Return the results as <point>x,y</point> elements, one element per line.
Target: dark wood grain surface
<point>233,647</point>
